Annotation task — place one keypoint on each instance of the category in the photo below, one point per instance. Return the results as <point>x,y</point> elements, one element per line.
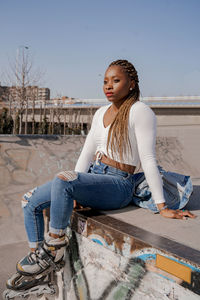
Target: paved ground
<point>9,254</point>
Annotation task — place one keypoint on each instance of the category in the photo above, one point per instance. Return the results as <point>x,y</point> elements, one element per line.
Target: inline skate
<point>35,272</point>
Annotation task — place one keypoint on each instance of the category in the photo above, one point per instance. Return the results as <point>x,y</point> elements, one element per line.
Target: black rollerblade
<point>36,272</point>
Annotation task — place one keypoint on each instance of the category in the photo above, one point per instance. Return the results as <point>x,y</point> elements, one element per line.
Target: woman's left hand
<point>77,205</point>
<point>177,214</point>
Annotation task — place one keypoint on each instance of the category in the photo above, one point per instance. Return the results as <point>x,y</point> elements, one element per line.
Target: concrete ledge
<point>117,233</point>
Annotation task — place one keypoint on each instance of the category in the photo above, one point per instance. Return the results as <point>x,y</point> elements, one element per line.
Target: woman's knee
<point>67,175</point>
<point>63,182</point>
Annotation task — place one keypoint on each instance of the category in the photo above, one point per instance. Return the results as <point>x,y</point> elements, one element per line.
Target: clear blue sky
<point>74,41</point>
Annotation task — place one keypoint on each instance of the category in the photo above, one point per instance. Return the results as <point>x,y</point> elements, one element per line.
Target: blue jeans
<point>102,188</point>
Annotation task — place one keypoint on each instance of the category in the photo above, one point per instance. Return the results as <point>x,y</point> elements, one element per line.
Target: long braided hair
<point>118,137</point>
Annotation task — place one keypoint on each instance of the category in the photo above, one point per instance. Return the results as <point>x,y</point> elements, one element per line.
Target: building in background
<point>32,92</point>
<point>43,94</point>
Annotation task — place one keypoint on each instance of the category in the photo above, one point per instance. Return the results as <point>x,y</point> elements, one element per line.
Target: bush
<point>6,122</point>
<point>43,127</point>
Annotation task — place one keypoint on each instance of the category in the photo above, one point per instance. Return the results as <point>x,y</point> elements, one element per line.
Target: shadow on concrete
<point>194,202</point>
<point>120,210</point>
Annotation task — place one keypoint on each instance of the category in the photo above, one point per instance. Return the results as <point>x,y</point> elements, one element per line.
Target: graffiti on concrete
<point>29,161</point>
<point>189,277</point>
<point>95,272</point>
<point>25,160</point>
<point>122,287</point>
<point>126,246</point>
<point>169,152</point>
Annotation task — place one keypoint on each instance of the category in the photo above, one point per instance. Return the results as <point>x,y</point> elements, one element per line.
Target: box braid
<point>118,136</point>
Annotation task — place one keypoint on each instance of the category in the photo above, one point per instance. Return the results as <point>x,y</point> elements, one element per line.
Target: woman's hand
<point>176,214</point>
<point>77,205</point>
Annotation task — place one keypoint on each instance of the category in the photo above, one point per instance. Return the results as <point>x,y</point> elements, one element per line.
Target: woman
<point>122,134</point>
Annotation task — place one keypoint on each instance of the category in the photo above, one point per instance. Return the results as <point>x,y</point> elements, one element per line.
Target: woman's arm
<point>145,131</point>
<point>89,148</point>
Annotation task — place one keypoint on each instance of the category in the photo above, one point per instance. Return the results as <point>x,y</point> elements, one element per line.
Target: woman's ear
<point>132,86</point>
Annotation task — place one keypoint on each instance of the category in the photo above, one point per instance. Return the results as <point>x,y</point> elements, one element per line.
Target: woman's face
<point>117,84</point>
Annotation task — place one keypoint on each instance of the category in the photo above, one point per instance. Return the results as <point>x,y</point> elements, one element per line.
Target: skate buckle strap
<point>49,259</point>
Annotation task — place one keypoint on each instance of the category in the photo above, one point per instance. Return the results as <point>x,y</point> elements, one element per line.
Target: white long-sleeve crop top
<point>142,135</point>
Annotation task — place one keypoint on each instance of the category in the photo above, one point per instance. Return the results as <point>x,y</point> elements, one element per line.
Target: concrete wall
<point>26,162</point>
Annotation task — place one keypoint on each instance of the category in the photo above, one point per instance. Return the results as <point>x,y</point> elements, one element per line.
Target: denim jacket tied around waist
<point>177,189</point>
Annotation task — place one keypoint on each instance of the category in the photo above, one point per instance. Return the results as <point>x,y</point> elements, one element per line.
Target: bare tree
<point>24,79</point>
